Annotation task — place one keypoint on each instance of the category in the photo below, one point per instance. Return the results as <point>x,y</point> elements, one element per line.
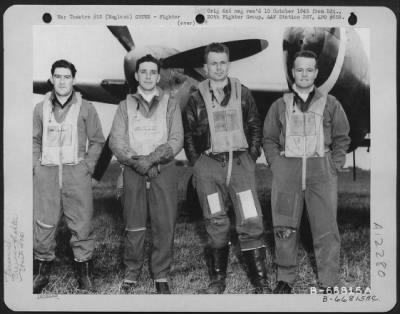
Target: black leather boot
<point>162,287</point>
<point>85,277</point>
<point>283,288</point>
<point>217,261</point>
<point>41,274</point>
<point>257,272</point>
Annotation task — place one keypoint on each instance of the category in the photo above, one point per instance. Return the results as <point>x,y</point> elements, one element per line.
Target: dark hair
<point>148,58</point>
<point>306,54</point>
<point>63,64</point>
<point>215,47</point>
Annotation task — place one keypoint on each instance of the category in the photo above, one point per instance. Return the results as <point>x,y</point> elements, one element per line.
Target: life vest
<point>60,140</point>
<point>226,122</point>
<point>146,134</point>
<point>304,130</point>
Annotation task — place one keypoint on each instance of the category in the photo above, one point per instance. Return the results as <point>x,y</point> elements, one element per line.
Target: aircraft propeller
<point>193,58</point>
<point>123,35</point>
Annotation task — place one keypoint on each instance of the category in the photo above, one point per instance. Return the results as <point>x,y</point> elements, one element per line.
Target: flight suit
<point>305,151</point>
<point>62,174</point>
<point>140,128</point>
<point>222,141</point>
<point>227,136</point>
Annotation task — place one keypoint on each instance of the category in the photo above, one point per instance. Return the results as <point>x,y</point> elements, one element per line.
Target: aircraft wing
<point>108,90</point>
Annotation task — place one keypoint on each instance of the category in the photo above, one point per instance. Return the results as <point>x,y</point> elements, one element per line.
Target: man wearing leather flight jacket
<point>222,137</point>
<point>197,133</point>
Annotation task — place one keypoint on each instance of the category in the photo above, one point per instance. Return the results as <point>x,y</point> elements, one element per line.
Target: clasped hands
<point>144,165</point>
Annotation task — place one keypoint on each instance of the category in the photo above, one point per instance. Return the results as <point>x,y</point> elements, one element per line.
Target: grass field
<point>189,273</point>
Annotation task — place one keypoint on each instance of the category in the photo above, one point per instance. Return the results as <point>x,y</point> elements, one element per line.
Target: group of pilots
<point>305,137</point>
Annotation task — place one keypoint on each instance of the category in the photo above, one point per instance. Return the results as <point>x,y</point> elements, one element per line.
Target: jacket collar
<point>227,90</point>
<point>141,92</point>
<point>313,96</point>
<point>159,94</point>
<point>55,102</point>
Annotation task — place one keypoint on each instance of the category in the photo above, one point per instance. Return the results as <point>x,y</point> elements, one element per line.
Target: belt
<point>224,157</point>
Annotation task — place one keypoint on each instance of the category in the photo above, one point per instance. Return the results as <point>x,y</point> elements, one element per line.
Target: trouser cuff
<point>250,249</point>
<point>43,259</point>
<point>161,280</point>
<point>251,245</point>
<point>82,260</point>
<point>161,277</point>
<point>287,274</point>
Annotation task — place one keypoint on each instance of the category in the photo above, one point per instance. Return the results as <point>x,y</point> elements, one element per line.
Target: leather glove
<point>153,172</point>
<point>133,162</point>
<point>162,154</point>
<point>142,165</point>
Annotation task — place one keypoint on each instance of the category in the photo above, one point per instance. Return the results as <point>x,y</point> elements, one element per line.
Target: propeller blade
<point>197,74</point>
<point>194,58</point>
<point>123,35</point>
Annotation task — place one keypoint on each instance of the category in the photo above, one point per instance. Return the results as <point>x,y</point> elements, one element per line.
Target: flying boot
<point>217,261</point>
<point>162,287</point>
<point>85,277</point>
<point>257,272</point>
<point>282,287</point>
<point>41,274</point>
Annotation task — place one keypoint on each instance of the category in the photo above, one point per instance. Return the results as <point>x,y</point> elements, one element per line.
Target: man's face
<point>147,76</point>
<point>304,72</point>
<point>217,66</point>
<point>62,81</point>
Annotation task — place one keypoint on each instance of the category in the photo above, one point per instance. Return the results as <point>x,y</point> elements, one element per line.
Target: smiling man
<point>145,137</point>
<point>222,142</point>
<point>67,141</point>
<point>305,143</point>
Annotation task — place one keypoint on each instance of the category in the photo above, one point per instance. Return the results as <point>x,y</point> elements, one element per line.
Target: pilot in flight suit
<point>67,141</point>
<point>222,142</point>
<point>145,137</point>
<point>305,142</point>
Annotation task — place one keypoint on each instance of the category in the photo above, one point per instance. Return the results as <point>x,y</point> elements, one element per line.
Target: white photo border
<point>19,21</point>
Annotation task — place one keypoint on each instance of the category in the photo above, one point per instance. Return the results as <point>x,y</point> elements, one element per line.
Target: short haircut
<point>306,54</point>
<point>215,47</point>
<point>63,64</point>
<point>148,58</point>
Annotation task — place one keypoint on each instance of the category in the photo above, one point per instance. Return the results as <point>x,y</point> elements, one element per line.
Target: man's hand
<point>141,164</point>
<point>36,164</point>
<point>133,163</point>
<point>153,172</point>
<point>253,153</point>
<point>253,156</point>
<point>162,154</point>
